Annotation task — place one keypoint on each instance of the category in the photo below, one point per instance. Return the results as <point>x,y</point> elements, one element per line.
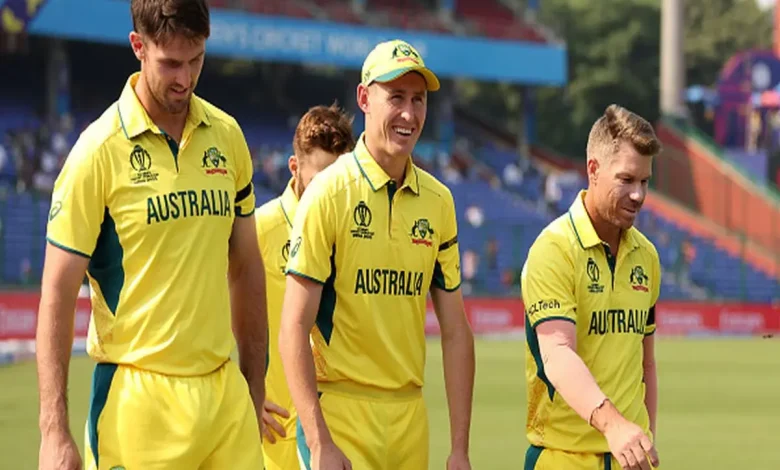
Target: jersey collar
<point>376,176</point>
<point>289,202</point>
<point>583,227</point>
<point>135,120</point>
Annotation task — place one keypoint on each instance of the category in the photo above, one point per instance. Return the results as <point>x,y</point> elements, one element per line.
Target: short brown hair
<point>619,124</point>
<point>327,128</point>
<point>161,19</point>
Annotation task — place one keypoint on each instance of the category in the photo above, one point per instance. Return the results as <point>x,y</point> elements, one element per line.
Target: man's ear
<point>292,164</point>
<point>593,167</point>
<point>137,44</point>
<point>362,98</point>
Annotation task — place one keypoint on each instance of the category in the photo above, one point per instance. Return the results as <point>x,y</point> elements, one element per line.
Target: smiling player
<point>372,236</point>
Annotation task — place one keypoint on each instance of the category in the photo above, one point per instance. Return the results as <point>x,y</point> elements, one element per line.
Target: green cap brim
<point>431,80</point>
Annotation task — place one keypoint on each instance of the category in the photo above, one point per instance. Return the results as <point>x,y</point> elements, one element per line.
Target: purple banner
<point>15,15</point>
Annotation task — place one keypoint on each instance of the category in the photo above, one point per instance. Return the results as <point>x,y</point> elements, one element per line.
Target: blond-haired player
<point>590,285</point>
<point>322,134</point>
<point>373,236</point>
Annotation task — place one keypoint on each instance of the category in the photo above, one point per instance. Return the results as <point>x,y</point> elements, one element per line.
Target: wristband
<point>601,403</point>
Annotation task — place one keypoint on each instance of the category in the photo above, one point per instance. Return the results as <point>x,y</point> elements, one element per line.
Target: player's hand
<point>458,461</point>
<point>329,457</point>
<point>59,452</point>
<point>630,446</point>
<point>269,422</point>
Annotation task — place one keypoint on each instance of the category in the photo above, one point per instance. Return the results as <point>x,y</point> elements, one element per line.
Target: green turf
<point>720,406</point>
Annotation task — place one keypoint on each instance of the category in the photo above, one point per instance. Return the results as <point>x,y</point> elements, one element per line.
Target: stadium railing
<point>694,172</point>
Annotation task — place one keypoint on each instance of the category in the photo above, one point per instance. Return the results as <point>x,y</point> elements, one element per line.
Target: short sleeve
<point>77,203</point>
<point>656,293</point>
<point>263,224</point>
<point>446,272</point>
<point>547,283</point>
<point>245,194</point>
<point>313,237</point>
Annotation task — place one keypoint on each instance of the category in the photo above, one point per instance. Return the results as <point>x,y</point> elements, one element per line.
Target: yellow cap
<point>392,59</point>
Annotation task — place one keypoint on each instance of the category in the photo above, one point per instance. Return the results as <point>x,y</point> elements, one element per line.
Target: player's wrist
<point>605,416</point>
<point>53,420</point>
<point>257,392</point>
<point>459,453</point>
<point>56,428</point>
<point>319,436</point>
<point>459,446</point>
<point>319,441</point>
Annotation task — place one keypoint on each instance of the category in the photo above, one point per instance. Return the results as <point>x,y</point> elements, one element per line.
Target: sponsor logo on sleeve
<point>55,209</point>
<point>296,247</point>
<point>542,306</point>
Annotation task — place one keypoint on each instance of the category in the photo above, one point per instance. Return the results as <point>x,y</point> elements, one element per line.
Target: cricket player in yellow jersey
<point>154,203</point>
<point>590,285</point>
<point>322,134</point>
<point>372,235</point>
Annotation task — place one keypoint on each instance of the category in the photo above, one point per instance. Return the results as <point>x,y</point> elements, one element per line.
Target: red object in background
<point>777,29</point>
<point>702,184</point>
<point>485,315</point>
<point>18,315</point>
<point>672,318</point>
<point>19,311</point>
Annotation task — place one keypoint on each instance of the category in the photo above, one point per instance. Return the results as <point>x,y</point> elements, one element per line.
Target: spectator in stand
<point>475,216</point>
<point>754,129</point>
<point>513,175</point>
<point>470,264</point>
<point>7,167</point>
<point>491,253</point>
<point>688,256</point>
<point>510,281</point>
<point>25,270</point>
<point>552,192</point>
<point>46,172</point>
<point>449,173</point>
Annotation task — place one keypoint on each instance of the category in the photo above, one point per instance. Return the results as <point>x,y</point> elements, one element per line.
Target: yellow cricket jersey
<point>377,249</point>
<point>571,275</point>
<point>154,218</point>
<point>274,222</point>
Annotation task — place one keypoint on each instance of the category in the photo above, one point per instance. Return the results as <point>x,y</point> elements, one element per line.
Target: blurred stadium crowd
<point>504,196</point>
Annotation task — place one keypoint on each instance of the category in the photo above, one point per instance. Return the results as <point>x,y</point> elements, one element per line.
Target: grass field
<point>719,406</point>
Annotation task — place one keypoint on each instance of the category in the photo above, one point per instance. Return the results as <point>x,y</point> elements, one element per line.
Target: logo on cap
<point>405,51</point>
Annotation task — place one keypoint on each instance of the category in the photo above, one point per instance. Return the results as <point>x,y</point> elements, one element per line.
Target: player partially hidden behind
<point>374,234</point>
<point>323,134</point>
<point>590,285</point>
<point>154,203</point>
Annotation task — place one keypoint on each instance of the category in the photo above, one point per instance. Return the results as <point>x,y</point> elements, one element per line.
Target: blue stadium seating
<point>711,268</point>
<point>513,218</point>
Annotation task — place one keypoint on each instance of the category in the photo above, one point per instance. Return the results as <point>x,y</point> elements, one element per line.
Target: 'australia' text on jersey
<point>389,282</point>
<point>617,321</point>
<point>188,203</point>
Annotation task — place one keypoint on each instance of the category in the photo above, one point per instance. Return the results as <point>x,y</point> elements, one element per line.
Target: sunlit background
<point>522,82</point>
